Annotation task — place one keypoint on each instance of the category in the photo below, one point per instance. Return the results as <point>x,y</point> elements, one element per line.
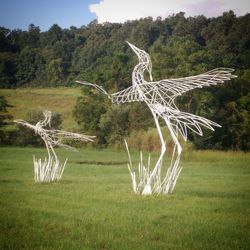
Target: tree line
<point>98,53</point>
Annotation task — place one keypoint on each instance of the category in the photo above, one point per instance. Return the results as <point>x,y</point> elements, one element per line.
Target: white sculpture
<point>51,169</point>
<point>159,96</point>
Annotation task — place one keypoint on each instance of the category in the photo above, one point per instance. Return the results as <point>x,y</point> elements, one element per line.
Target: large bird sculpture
<point>160,97</point>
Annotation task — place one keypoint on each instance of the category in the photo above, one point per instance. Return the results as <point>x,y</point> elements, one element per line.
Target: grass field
<point>93,206</point>
<point>60,100</point>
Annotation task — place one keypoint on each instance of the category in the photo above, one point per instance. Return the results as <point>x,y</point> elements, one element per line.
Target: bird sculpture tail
<point>182,122</point>
<point>98,87</point>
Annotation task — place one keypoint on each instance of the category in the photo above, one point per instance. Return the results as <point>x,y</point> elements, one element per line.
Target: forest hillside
<point>98,53</point>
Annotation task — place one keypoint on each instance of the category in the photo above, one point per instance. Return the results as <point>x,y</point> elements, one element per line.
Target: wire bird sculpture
<point>160,96</point>
<point>51,169</point>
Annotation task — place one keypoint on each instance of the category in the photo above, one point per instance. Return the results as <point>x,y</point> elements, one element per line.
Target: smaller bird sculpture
<point>51,170</point>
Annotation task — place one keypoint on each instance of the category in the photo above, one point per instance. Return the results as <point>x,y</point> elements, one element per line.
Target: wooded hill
<point>98,53</point>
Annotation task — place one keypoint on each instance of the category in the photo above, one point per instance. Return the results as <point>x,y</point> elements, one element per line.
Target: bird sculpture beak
<point>135,49</point>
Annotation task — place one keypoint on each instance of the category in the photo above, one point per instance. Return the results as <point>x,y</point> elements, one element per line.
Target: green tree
<point>5,119</point>
<point>87,112</point>
<point>30,64</point>
<point>8,65</point>
<point>55,71</point>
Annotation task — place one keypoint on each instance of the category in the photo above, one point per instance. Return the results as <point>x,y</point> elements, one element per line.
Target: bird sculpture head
<point>144,59</point>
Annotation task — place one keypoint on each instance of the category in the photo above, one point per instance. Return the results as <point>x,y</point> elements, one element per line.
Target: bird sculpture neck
<point>138,74</point>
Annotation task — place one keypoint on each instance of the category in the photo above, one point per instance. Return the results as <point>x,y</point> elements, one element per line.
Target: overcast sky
<point>44,13</point>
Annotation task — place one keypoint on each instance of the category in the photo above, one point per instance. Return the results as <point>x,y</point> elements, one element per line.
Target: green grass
<point>93,206</point>
<point>60,100</point>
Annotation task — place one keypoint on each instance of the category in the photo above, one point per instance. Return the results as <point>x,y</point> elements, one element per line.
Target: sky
<point>19,14</point>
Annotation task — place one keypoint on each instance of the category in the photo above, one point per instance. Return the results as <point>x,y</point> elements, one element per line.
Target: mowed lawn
<point>60,100</point>
<point>93,206</point>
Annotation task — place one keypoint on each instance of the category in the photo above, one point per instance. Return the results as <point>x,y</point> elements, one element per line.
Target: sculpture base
<point>148,180</point>
<point>50,170</point>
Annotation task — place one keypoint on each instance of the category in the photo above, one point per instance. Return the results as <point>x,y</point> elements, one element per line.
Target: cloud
<point>209,8</point>
<point>122,10</point>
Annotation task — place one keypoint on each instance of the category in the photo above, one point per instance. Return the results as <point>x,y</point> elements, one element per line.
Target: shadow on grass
<point>101,162</point>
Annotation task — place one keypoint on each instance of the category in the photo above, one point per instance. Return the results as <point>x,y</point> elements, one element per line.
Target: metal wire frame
<point>51,168</point>
<point>160,97</point>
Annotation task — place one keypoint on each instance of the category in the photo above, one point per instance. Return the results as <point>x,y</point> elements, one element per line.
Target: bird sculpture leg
<point>56,168</point>
<point>42,168</point>
<point>47,164</point>
<point>50,169</point>
<point>148,187</point>
<point>51,162</point>
<point>174,169</point>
